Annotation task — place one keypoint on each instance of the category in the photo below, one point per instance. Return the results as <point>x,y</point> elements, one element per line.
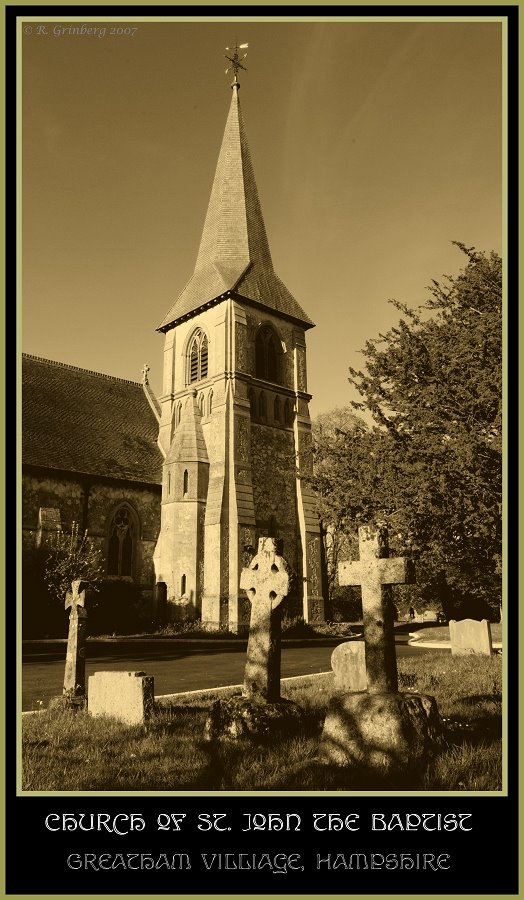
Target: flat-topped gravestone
<point>469,636</point>
<point>348,662</point>
<point>260,710</point>
<point>126,696</point>
<point>379,727</point>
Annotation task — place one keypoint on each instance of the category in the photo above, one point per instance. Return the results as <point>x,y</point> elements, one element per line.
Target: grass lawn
<point>64,751</point>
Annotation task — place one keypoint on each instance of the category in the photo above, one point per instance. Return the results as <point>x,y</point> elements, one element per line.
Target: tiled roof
<point>85,422</point>
<point>234,251</point>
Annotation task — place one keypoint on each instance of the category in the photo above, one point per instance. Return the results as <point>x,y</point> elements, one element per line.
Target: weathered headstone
<point>379,727</point>
<point>469,636</point>
<point>260,709</point>
<point>126,696</point>
<point>49,522</point>
<point>75,667</point>
<point>348,662</point>
<point>74,690</point>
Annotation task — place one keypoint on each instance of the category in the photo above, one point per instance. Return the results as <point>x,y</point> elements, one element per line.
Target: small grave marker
<point>470,637</point>
<point>126,696</point>
<point>348,662</point>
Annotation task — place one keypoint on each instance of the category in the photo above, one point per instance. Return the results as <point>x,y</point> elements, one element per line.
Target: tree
<point>431,466</point>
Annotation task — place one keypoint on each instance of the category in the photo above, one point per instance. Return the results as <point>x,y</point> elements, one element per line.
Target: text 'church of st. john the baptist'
<point>234,429</point>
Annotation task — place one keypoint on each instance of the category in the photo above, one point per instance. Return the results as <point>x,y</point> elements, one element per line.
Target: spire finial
<point>235,61</point>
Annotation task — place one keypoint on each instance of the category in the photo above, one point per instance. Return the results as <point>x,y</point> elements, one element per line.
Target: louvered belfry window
<point>267,355</point>
<point>198,357</point>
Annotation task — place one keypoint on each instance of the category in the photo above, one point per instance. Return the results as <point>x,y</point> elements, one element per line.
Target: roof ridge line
<point>56,362</point>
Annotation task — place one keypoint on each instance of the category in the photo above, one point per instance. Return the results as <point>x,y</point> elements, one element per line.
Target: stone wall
<point>92,506</point>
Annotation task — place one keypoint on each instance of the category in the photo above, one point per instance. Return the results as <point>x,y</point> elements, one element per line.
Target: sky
<point>374,145</point>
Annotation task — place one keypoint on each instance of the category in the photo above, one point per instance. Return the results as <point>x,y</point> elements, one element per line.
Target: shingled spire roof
<point>234,257</point>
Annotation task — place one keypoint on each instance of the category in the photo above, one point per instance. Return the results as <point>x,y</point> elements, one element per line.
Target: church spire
<point>234,256</point>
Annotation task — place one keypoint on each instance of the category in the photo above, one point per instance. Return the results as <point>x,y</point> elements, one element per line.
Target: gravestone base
<point>68,700</point>
<point>383,732</point>
<point>240,717</point>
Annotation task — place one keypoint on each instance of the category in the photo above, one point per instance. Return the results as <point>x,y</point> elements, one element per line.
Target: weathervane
<point>235,59</point>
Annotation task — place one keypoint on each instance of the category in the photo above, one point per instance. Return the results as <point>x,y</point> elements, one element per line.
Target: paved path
<point>175,668</point>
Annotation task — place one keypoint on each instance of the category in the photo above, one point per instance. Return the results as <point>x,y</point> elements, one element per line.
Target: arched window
<point>178,413</point>
<point>186,482</point>
<point>209,402</point>
<point>183,585</point>
<point>262,406</point>
<point>122,538</point>
<point>201,404</point>
<point>267,355</point>
<point>277,412</point>
<point>197,357</point>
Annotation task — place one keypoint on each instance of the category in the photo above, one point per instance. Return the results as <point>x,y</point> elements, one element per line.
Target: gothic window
<point>178,413</point>
<point>197,357</point>
<point>267,355</point>
<point>122,538</point>
<point>209,402</point>
<point>201,404</point>
<point>186,482</point>
<point>277,413</point>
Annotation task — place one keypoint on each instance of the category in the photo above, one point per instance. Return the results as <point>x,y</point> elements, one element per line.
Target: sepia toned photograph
<point>262,410</point>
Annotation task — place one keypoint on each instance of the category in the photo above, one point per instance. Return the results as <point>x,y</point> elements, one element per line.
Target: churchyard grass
<point>170,753</point>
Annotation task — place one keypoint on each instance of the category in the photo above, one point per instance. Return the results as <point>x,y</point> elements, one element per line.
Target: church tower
<point>235,428</point>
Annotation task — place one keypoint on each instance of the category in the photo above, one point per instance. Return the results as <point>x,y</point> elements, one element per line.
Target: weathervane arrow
<point>235,59</point>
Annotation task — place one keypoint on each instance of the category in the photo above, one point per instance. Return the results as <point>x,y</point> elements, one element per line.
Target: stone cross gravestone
<point>469,636</point>
<point>380,727</point>
<point>266,581</point>
<point>75,668</point>
<point>375,572</point>
<point>259,711</point>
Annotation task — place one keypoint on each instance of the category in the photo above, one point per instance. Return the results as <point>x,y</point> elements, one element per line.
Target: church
<point>177,490</point>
